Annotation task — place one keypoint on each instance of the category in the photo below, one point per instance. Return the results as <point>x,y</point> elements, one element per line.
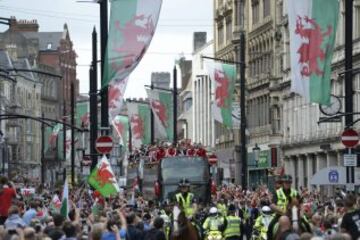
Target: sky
<point>173,38</point>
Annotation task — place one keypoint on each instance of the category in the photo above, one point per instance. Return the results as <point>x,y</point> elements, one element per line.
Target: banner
<point>161,103</point>
<point>83,114</point>
<point>116,93</point>
<point>53,136</point>
<point>139,115</point>
<point>132,26</point>
<point>121,125</point>
<point>312,25</point>
<point>223,77</point>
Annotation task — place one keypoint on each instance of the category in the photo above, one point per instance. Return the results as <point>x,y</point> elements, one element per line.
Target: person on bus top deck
<point>185,199</point>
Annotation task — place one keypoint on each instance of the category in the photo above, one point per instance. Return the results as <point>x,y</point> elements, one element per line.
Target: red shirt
<point>6,196</point>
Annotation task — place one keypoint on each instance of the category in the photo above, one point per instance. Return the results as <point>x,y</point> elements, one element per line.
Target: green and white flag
<point>139,115</point>
<point>132,26</point>
<point>121,125</point>
<point>103,179</point>
<point>223,76</point>
<point>54,135</point>
<point>312,25</point>
<point>161,103</point>
<point>64,209</point>
<point>83,114</point>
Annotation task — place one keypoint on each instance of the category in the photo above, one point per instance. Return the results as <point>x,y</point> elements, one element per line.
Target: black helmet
<point>231,208</point>
<point>287,178</point>
<point>184,183</point>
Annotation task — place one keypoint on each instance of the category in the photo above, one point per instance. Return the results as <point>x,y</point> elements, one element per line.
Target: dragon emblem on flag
<point>160,110</point>
<point>137,126</point>
<point>222,86</point>
<point>311,50</point>
<point>104,175</point>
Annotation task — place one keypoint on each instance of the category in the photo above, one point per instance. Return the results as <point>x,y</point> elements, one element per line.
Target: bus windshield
<point>195,169</point>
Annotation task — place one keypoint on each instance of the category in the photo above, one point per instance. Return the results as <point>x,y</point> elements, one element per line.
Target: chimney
<point>23,25</point>
<point>199,40</point>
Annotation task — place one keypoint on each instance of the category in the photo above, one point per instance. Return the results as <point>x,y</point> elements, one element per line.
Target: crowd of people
<point>233,213</point>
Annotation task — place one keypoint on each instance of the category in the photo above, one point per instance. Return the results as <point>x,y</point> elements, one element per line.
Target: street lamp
<point>256,151</point>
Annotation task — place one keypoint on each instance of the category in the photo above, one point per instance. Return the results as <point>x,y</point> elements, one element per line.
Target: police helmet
<point>287,178</point>
<point>231,208</point>
<point>184,183</point>
<point>278,179</point>
<point>213,210</point>
<point>266,210</point>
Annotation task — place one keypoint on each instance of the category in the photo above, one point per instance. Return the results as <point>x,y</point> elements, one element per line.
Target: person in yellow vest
<point>263,221</point>
<point>232,225</point>
<point>185,199</point>
<point>214,224</point>
<point>281,200</point>
<point>221,206</point>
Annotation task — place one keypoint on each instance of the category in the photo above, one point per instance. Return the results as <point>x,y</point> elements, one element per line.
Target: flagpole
<point>42,151</point>
<point>93,102</point>
<point>175,104</point>
<point>72,133</point>
<point>152,132</point>
<point>350,171</point>
<point>103,42</point>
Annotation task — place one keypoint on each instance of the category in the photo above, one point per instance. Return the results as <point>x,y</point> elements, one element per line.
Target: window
<point>255,11</point>
<point>356,19</point>
<point>49,46</point>
<point>228,30</point>
<point>220,35</point>
<point>266,8</point>
<point>29,152</point>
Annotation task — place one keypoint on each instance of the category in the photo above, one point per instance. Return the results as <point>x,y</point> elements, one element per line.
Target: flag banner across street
<point>223,76</point>
<point>312,25</point>
<point>139,115</point>
<point>161,103</point>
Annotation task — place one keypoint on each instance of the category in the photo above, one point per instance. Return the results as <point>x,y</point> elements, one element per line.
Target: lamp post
<point>256,151</point>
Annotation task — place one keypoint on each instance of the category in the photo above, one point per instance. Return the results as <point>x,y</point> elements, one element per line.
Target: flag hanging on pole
<point>139,115</point>
<point>161,103</point>
<point>64,209</point>
<point>103,179</point>
<point>132,26</point>
<point>312,25</point>
<point>116,93</point>
<point>83,114</point>
<point>121,125</point>
<point>223,76</point>
<point>55,132</point>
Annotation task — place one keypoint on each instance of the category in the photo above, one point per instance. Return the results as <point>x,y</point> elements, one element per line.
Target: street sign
<point>212,159</point>
<point>104,144</point>
<point>350,138</point>
<point>350,160</point>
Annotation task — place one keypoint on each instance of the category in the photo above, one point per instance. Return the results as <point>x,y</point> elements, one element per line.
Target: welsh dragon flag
<point>121,125</point>
<point>83,114</point>
<point>103,179</point>
<point>132,26</point>
<point>223,76</point>
<point>54,135</point>
<point>64,209</point>
<point>139,115</point>
<point>116,93</point>
<point>312,25</point>
<point>161,103</point>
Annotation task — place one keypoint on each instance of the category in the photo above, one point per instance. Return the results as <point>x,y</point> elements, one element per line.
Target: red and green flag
<point>64,209</point>
<point>312,25</point>
<point>223,77</point>
<point>139,116</point>
<point>132,26</point>
<point>83,114</point>
<point>54,134</point>
<point>116,93</point>
<point>121,125</point>
<point>103,179</point>
<point>161,103</point>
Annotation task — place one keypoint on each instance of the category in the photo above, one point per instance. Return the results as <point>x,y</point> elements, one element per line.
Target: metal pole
<point>350,171</point>
<point>130,137</point>
<point>103,42</point>
<point>72,134</point>
<point>42,151</point>
<point>175,103</point>
<point>64,138</point>
<point>152,120</point>
<point>242,112</point>
<point>93,101</point>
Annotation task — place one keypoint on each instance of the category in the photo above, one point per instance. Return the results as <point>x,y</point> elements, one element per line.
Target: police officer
<point>278,182</point>
<point>283,196</point>
<point>263,221</point>
<point>214,223</point>
<point>232,225</point>
<point>185,199</point>
<point>221,206</point>
<point>281,200</point>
